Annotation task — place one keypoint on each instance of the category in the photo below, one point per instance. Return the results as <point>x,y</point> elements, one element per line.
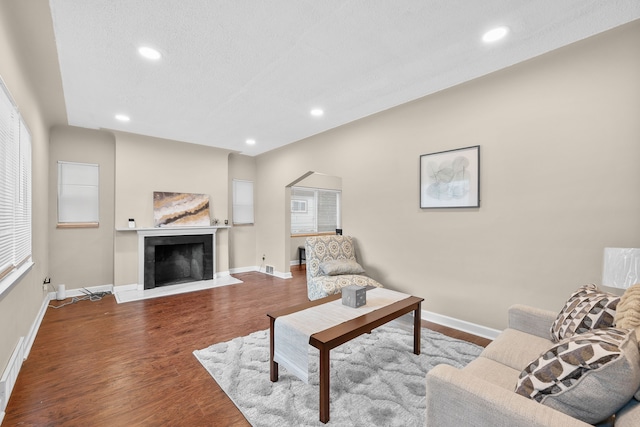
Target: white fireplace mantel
<point>171,231</point>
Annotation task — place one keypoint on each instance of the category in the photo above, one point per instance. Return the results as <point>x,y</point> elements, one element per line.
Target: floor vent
<point>10,374</point>
<point>269,269</point>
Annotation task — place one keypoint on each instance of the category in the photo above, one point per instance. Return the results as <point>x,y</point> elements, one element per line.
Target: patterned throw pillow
<point>588,308</point>
<point>588,376</point>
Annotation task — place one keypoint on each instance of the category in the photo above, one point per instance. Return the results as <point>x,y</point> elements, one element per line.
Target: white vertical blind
<point>15,187</point>
<point>242,205</point>
<point>78,192</point>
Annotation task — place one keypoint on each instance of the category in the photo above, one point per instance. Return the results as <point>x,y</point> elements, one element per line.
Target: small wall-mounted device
<point>132,223</point>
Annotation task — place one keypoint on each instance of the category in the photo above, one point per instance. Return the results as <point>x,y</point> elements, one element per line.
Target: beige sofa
<point>482,393</point>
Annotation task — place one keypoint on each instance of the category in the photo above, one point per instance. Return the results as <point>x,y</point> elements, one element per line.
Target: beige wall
<point>144,165</point>
<point>28,66</point>
<point>81,257</point>
<point>242,241</point>
<point>559,139</point>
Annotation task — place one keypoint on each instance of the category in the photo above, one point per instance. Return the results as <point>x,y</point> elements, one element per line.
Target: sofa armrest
<point>534,321</point>
<point>455,398</point>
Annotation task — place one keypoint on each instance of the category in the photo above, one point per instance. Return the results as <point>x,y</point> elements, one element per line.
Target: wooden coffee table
<point>340,334</point>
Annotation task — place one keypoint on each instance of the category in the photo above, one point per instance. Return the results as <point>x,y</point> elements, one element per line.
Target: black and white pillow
<point>588,376</point>
<point>588,308</point>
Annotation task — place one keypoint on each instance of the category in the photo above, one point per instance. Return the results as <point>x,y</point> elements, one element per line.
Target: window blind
<point>15,187</point>
<point>78,192</point>
<point>242,205</point>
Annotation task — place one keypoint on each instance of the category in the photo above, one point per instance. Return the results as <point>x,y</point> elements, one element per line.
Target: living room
<point>559,146</point>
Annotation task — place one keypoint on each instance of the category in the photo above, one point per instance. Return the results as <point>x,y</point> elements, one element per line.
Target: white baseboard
<point>244,269</point>
<point>461,325</point>
<point>129,287</point>
<point>278,274</point>
<point>10,374</point>
<point>35,326</point>
<point>282,275</point>
<point>19,355</point>
<point>70,293</point>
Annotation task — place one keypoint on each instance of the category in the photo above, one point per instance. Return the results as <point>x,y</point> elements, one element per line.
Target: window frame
<point>315,207</point>
<point>88,204</point>
<point>242,204</point>
<point>16,229</point>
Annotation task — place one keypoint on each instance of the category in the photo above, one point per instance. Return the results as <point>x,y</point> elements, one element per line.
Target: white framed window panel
<point>15,191</point>
<point>78,193</point>
<point>322,213</point>
<point>242,205</point>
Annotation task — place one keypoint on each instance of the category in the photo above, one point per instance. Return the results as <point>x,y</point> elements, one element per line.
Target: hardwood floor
<point>107,364</point>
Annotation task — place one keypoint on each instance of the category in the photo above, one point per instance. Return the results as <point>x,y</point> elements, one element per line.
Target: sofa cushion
<point>588,308</point>
<point>516,349</point>
<point>588,376</point>
<point>335,267</point>
<point>493,372</point>
<point>629,415</point>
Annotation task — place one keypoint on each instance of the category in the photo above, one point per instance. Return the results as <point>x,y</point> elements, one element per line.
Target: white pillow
<point>337,267</point>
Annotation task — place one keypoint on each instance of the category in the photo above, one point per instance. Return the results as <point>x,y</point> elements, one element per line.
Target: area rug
<point>375,379</point>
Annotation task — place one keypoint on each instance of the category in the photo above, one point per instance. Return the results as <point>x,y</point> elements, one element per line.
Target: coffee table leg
<point>324,385</point>
<point>273,366</point>
<point>416,329</point>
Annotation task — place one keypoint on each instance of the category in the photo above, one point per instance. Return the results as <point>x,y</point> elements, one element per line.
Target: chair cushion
<point>588,308</point>
<point>322,286</point>
<point>588,376</point>
<point>335,267</point>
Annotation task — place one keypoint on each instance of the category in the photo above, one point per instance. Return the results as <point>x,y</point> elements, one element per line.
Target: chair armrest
<point>534,321</point>
<point>455,398</point>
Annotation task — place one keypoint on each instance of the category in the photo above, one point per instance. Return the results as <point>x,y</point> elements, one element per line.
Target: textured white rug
<point>376,380</point>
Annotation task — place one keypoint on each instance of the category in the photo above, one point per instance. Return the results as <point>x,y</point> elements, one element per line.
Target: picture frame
<point>450,179</point>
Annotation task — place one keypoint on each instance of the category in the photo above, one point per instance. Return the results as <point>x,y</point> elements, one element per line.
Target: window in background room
<point>15,192</point>
<point>242,202</point>
<point>78,195</point>
<point>314,210</point>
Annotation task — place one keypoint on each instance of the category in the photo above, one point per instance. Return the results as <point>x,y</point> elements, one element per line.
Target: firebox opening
<point>169,260</point>
<point>179,263</point>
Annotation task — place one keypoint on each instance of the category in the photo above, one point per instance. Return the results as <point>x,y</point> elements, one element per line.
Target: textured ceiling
<point>233,70</point>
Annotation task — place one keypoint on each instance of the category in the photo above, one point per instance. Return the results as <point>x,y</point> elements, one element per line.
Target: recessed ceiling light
<point>123,117</point>
<point>317,112</point>
<point>149,53</point>
<point>495,34</point>
<point>251,141</point>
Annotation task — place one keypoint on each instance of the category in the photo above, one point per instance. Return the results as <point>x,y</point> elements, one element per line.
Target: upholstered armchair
<point>332,265</point>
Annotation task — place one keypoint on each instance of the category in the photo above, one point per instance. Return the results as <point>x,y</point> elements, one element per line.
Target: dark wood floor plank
<point>107,364</point>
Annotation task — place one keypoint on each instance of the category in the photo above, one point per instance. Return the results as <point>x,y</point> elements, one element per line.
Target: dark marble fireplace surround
<point>170,260</point>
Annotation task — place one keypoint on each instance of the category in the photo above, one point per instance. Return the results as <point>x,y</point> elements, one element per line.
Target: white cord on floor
<point>93,296</point>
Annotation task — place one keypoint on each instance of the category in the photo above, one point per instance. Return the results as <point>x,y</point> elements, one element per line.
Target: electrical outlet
<point>44,287</point>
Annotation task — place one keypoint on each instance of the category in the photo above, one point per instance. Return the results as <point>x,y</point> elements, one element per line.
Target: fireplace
<point>169,260</point>
<point>178,255</point>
